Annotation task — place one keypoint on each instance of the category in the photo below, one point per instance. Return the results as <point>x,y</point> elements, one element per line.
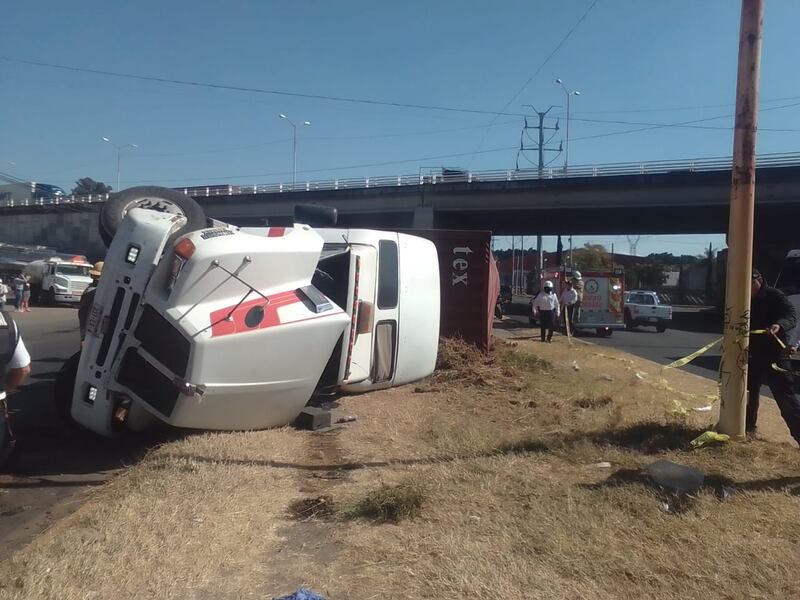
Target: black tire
<point>64,385</point>
<point>661,327</point>
<point>604,332</point>
<point>629,324</point>
<point>153,198</point>
<point>50,297</point>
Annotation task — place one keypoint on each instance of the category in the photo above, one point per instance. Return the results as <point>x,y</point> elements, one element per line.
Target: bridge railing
<point>448,176</point>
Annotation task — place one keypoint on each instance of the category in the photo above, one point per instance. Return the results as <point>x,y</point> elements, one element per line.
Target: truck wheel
<point>629,325</point>
<point>50,297</point>
<point>153,198</point>
<point>604,331</point>
<point>661,327</point>
<point>64,385</point>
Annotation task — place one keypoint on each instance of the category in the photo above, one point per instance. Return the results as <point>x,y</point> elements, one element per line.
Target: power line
<point>676,108</point>
<point>323,170</point>
<point>361,100</point>
<point>538,70</point>
<point>253,90</point>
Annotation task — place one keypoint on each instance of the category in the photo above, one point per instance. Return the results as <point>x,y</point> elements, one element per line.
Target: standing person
<point>3,295</point>
<point>15,362</point>
<point>87,299</point>
<point>569,297</point>
<point>19,287</point>
<point>771,310</point>
<point>26,293</point>
<point>577,283</point>
<point>546,307</point>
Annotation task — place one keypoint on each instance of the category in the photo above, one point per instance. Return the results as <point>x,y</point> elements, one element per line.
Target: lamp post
<point>568,93</point>
<point>119,155</point>
<point>294,146</point>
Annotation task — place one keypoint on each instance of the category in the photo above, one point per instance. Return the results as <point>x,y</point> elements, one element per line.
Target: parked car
<point>644,308</point>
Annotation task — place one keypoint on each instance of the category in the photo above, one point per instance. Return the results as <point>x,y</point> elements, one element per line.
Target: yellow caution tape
<point>687,359</point>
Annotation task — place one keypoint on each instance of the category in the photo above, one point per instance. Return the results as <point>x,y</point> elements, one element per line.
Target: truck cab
<point>56,280</point>
<point>788,282</point>
<point>227,328</point>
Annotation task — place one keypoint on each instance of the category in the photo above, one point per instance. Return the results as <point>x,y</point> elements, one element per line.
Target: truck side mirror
<point>315,215</point>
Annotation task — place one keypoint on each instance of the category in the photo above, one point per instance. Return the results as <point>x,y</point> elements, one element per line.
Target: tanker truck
<point>57,280</point>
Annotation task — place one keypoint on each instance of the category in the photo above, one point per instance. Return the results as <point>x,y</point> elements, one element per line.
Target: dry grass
<point>388,503</point>
<point>500,460</point>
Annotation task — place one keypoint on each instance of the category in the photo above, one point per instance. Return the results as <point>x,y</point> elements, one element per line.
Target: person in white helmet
<point>546,307</point>
<point>577,284</point>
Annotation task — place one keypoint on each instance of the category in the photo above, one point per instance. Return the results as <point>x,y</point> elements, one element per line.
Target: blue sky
<point>636,61</point>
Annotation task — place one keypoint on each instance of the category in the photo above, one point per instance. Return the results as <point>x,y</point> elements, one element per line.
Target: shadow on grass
<point>649,437</point>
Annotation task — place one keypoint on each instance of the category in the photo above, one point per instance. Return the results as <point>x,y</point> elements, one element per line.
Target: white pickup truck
<point>209,326</point>
<point>644,308</point>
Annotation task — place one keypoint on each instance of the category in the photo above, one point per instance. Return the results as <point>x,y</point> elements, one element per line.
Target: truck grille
<point>147,382</point>
<point>77,287</point>
<point>165,343</point>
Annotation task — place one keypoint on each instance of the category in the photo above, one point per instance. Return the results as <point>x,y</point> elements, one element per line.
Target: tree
<point>86,186</point>
<point>645,276</point>
<point>591,256</point>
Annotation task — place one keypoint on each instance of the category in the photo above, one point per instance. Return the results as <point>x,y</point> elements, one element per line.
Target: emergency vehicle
<point>601,300</point>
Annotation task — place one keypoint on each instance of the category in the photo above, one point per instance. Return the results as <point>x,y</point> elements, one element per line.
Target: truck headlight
<point>133,255</point>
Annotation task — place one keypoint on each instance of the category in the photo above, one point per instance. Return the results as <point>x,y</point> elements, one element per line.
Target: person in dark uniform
<point>772,311</point>
<point>87,299</point>
<point>16,367</point>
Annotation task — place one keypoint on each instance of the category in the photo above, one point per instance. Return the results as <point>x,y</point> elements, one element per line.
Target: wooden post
<point>733,371</point>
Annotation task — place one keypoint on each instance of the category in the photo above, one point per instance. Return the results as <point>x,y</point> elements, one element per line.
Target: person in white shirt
<point>547,309</point>
<point>569,297</point>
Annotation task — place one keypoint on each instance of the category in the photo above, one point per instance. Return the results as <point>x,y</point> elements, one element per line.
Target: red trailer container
<point>469,283</point>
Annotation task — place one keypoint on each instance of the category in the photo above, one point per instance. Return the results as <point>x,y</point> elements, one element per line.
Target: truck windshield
<point>789,279</point>
<point>73,270</point>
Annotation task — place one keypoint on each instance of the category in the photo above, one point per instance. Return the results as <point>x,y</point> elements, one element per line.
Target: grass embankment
<point>488,480</point>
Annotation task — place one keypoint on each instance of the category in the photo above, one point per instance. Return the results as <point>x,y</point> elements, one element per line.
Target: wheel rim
<point>156,204</point>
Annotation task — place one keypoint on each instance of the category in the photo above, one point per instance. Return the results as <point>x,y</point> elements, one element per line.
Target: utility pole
<point>736,340</point>
<point>540,146</point>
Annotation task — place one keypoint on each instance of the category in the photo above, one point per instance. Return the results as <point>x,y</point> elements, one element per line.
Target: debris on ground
<point>313,418</point>
<point>300,594</point>
<point>310,508</point>
<point>602,465</point>
<point>709,437</point>
<point>575,365</point>
<point>347,419</point>
<point>674,477</point>
<point>706,408</point>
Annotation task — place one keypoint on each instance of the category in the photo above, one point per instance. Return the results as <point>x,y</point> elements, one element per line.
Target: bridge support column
<point>423,217</point>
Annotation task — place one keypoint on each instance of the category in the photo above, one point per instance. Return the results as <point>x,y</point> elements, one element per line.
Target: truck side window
<point>387,274</point>
<point>647,299</point>
<point>383,358</point>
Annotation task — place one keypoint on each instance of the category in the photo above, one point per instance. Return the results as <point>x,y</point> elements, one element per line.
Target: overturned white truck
<point>204,325</point>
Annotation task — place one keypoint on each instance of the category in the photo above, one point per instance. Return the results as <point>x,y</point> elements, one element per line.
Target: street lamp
<point>566,145</point>
<point>294,146</point>
<point>119,154</point>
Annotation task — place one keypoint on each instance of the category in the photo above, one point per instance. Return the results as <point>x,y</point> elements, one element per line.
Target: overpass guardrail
<point>446,176</point>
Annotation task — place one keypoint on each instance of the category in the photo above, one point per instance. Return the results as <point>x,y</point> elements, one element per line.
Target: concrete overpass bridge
<point>672,197</point>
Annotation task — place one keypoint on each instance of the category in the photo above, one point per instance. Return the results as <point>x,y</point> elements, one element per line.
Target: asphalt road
<point>58,462</point>
<point>690,331</point>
